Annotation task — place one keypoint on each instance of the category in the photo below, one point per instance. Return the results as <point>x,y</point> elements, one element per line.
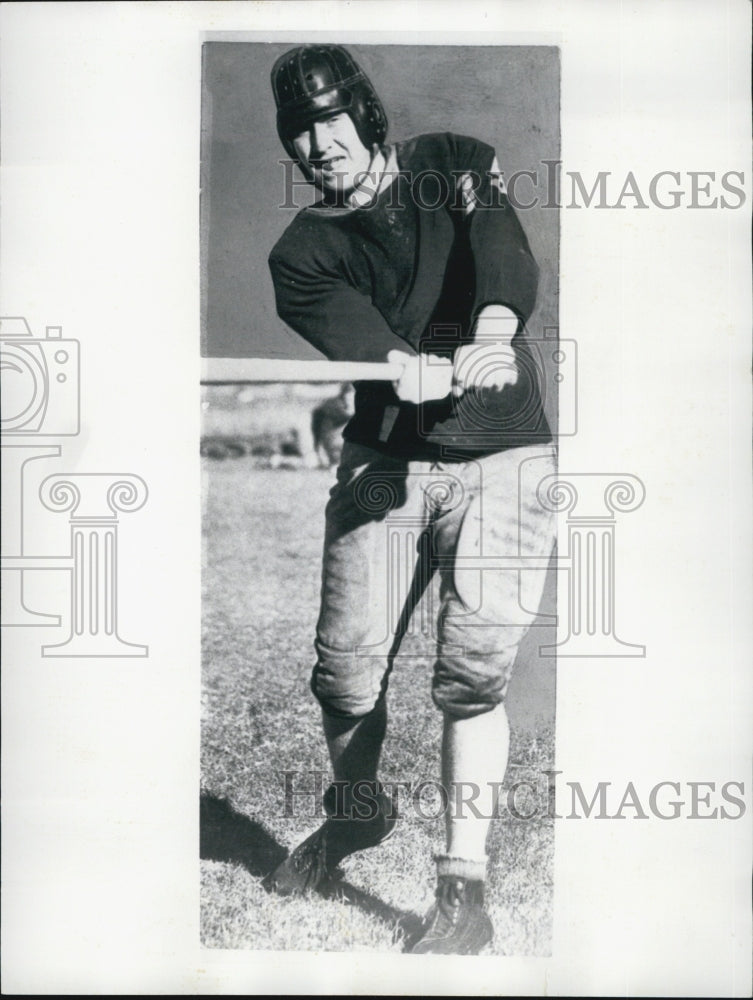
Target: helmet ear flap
<point>377,119</point>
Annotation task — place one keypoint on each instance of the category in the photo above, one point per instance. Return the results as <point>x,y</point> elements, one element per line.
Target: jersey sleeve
<point>505,269</point>
<point>330,313</point>
<point>506,272</point>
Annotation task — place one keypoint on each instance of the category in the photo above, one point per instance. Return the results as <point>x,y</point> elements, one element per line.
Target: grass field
<point>262,549</point>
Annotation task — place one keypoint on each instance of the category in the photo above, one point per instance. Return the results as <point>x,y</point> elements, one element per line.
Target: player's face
<point>331,151</point>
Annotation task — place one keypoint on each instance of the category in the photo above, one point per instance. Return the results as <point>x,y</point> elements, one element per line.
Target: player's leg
<point>474,761</point>
<point>483,618</point>
<point>372,577</point>
<point>355,745</point>
<point>355,635</point>
<point>354,631</point>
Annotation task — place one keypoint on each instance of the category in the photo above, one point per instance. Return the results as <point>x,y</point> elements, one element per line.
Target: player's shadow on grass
<point>227,835</point>
<point>407,925</point>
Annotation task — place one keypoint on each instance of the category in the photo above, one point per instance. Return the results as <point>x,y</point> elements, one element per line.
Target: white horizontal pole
<point>224,371</point>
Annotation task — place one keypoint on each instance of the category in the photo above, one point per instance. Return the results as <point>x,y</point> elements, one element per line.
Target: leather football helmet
<point>312,82</point>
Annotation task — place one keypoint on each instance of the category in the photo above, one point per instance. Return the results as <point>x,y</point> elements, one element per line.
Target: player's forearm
<point>333,317</point>
<point>496,321</point>
<point>506,272</point>
<point>488,362</point>
<point>352,338</point>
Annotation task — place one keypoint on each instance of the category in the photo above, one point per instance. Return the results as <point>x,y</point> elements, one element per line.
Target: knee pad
<point>348,686</point>
<point>465,686</point>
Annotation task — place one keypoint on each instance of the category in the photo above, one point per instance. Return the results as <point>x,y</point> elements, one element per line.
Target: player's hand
<point>483,366</point>
<point>488,362</point>
<point>425,377</point>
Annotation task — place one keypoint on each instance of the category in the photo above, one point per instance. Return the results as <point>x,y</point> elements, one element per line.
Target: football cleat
<point>457,923</point>
<point>311,865</point>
